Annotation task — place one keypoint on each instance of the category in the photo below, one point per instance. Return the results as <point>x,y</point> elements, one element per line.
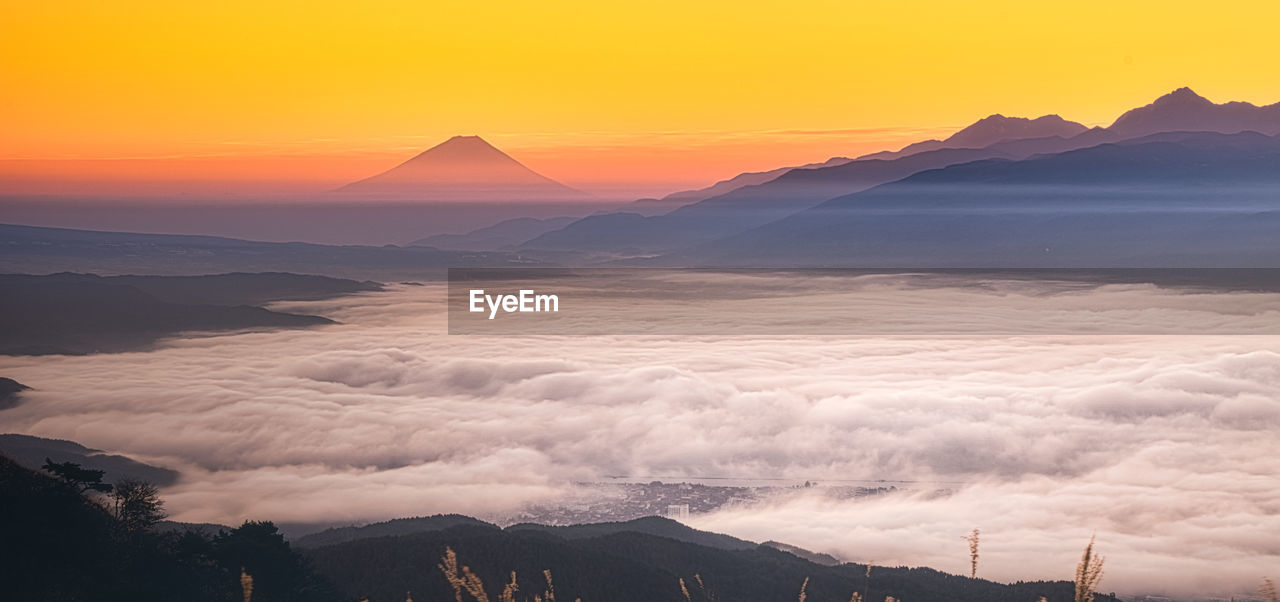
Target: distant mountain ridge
<point>991,130</point>
<point>742,209</point>
<point>623,235</point>
<point>461,168</point>
<point>1180,199</point>
<point>741,180</point>
<point>1184,110</point>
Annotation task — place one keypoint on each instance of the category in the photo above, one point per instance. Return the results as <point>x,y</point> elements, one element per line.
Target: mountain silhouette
<point>630,234</point>
<point>1185,199</point>
<point>991,130</point>
<point>462,168</point>
<point>753,199</point>
<point>1184,110</point>
<point>750,178</point>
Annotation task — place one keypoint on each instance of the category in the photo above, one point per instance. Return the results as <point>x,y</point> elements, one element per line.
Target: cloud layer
<point>1165,446</point>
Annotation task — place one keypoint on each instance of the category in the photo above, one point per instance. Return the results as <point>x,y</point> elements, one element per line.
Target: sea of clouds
<point>1167,447</point>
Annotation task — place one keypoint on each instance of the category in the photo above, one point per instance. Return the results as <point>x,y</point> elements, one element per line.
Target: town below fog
<point>598,502</point>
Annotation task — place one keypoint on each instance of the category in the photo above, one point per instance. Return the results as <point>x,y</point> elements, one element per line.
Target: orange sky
<point>293,96</point>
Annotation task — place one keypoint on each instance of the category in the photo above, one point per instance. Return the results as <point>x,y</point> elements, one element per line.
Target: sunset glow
<point>647,97</point>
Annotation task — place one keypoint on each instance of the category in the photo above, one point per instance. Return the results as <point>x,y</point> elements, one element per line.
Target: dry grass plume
<point>1088,574</point>
<point>1268,590</point>
<point>972,538</point>
<point>246,585</point>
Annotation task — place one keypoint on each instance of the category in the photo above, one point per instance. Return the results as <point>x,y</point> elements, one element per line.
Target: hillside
<point>629,566</point>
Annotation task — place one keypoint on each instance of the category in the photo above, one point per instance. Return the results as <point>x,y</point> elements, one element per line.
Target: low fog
<point>1164,446</point>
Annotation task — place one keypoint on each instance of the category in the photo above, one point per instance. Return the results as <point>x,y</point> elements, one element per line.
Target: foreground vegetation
<point>68,537</point>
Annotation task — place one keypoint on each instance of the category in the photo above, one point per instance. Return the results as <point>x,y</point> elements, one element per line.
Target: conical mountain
<point>1184,110</point>
<point>462,168</point>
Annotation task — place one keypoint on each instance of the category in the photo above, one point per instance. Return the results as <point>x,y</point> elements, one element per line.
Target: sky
<point>1163,447</point>
<point>289,96</point>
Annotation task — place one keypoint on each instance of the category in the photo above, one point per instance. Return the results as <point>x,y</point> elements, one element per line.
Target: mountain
<point>503,235</point>
<point>32,452</point>
<point>1184,110</point>
<point>627,236</point>
<point>991,130</point>
<point>10,391</point>
<point>753,199</point>
<point>741,180</point>
<point>982,133</point>
<point>624,234</point>
<point>462,168</point>
<point>1174,199</point>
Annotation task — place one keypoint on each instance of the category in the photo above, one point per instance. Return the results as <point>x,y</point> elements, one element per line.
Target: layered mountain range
<point>1150,170</point>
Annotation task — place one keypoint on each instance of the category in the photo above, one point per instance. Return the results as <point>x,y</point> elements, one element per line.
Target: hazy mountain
<point>1184,110</point>
<point>459,169</point>
<point>982,133</point>
<point>741,180</point>
<point>32,452</point>
<point>503,235</point>
<point>10,391</point>
<point>633,234</point>
<point>82,313</point>
<point>1174,199</point>
<point>32,249</point>
<point>990,130</point>
<point>753,199</point>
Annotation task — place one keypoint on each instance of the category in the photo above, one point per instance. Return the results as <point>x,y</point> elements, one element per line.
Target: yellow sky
<point>766,83</point>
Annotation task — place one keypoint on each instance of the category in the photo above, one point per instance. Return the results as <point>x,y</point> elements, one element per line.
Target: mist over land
<point>1162,445</point>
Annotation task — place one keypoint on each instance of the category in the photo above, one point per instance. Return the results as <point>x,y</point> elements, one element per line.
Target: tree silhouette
<point>138,505</point>
<point>78,478</point>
